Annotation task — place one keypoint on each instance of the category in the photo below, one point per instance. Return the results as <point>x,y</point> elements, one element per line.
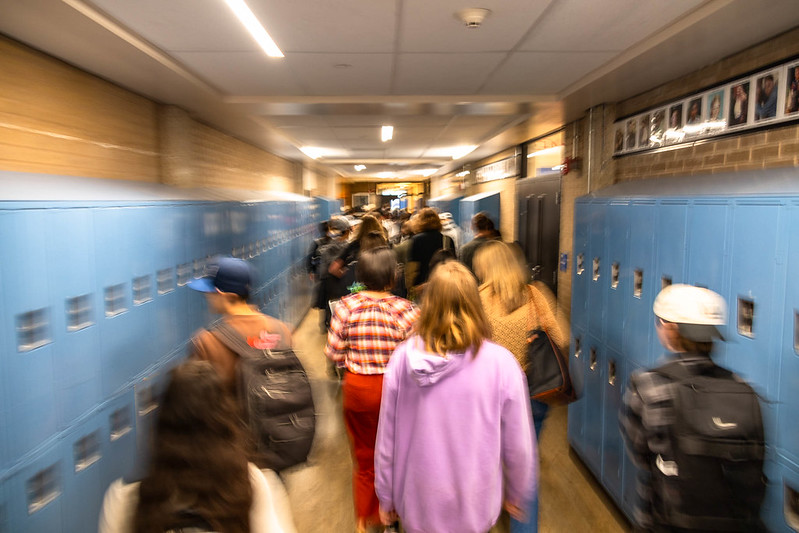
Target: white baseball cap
<point>697,311</point>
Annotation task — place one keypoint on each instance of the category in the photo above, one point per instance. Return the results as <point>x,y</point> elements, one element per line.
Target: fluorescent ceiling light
<point>246,16</point>
<point>358,168</point>
<point>315,152</point>
<point>387,133</point>
<point>462,174</point>
<point>461,151</point>
<point>386,175</point>
<point>427,171</point>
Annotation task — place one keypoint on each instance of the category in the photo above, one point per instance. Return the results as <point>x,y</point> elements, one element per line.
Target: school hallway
<point>320,492</point>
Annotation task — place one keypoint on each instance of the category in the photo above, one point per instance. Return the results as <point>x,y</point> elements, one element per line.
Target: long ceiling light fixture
<point>387,133</point>
<point>246,16</point>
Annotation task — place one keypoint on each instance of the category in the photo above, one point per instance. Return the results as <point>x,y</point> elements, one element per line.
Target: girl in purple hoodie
<point>455,438</point>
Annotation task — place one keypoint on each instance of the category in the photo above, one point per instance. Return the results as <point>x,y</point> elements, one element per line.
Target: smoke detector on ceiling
<point>473,17</point>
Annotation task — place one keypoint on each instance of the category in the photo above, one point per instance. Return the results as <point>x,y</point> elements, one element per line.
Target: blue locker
<point>576,418</point>
<point>756,281</point>
<point>118,449</point>
<point>594,407</point>
<point>449,204</point>
<point>27,356</point>
<point>788,349</point>
<point>471,205</point>
<point>630,471</point>
<point>708,247</point>
<point>780,510</point>
<point>83,479</point>
<point>170,320</point>
<point>598,268</point>
<point>76,347</point>
<point>643,284</point>
<point>613,383</point>
<point>670,255</point>
<point>35,492</point>
<point>581,269</point>
<point>147,392</point>
<point>618,276</point>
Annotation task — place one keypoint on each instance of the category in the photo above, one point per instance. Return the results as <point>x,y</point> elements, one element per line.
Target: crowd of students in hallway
<point>429,337</point>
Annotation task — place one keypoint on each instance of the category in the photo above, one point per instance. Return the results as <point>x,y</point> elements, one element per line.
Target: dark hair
<point>376,268</point>
<point>368,224</point>
<point>442,256</point>
<point>373,239</point>
<point>482,222</point>
<point>199,456</point>
<point>428,220</point>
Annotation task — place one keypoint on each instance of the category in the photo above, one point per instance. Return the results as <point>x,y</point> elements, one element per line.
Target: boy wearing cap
<point>683,420</point>
<point>226,289</point>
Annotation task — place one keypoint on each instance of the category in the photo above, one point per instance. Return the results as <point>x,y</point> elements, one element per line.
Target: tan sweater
<point>510,330</point>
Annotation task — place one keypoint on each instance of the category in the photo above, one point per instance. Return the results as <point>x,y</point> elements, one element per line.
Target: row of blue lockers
<point>94,310</point>
<point>464,208</point>
<point>734,234</point>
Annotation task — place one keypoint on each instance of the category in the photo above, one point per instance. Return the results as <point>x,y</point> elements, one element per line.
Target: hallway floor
<point>320,492</point>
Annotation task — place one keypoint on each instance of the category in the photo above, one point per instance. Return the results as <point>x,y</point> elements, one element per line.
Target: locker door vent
<point>146,401</point>
<point>184,274</point>
<point>638,283</point>
<point>120,423</point>
<point>42,488</point>
<point>791,507</point>
<point>577,348</point>
<point>199,268</point>
<point>79,312</point>
<point>33,330</point>
<point>592,360</point>
<point>665,281</point>
<point>614,276</point>
<point>596,269</point>
<point>115,300</point>
<point>580,264</point>
<point>746,317</point>
<point>164,281</point>
<point>142,290</point>
<point>86,451</point>
<point>796,332</point>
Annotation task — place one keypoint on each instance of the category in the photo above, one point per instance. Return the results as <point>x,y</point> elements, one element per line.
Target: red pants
<point>361,409</point>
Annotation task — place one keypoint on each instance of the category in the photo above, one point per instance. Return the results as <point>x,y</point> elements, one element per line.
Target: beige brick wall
<point>56,119</point>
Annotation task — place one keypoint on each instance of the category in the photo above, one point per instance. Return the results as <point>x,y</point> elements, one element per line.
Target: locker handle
<point>580,264</point>
<point>596,269</point>
<point>638,283</point>
<point>746,317</point>
<point>593,364</point>
<point>612,373</point>
<point>577,348</point>
<point>614,275</point>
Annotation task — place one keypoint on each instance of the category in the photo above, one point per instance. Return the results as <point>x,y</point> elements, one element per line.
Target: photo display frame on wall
<point>763,98</point>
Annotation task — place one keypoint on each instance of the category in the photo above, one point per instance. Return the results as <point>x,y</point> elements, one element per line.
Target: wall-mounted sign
<point>506,168</point>
<point>763,98</point>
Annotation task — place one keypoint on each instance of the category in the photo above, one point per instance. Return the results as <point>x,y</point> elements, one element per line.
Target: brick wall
<point>56,119</point>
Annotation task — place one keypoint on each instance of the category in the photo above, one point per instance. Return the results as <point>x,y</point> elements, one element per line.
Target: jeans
<point>539,410</point>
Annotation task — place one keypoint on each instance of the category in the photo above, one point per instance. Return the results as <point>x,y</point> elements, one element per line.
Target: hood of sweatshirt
<point>428,368</point>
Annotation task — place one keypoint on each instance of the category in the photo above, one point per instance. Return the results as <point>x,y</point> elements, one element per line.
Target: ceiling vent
<point>473,17</point>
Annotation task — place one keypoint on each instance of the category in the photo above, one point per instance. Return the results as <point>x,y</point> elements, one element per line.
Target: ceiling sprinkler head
<point>473,17</point>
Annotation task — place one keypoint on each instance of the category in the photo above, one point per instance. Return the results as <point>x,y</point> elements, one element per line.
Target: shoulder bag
<point>547,369</point>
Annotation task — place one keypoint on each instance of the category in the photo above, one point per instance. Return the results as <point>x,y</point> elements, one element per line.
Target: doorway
<point>538,205</point>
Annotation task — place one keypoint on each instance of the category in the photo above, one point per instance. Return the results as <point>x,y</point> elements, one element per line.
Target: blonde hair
<point>452,317</point>
<point>499,268</point>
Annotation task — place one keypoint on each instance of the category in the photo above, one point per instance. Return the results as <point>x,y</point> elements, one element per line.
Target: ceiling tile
<point>319,73</point>
<point>443,73</point>
<point>432,27</point>
<point>242,73</point>
<point>182,25</point>
<point>349,26</point>
<point>543,72</point>
<point>609,25</point>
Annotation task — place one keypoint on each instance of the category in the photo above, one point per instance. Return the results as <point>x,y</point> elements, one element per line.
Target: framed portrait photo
<point>766,93</point>
<point>739,104</point>
<point>792,89</point>
<point>643,131</point>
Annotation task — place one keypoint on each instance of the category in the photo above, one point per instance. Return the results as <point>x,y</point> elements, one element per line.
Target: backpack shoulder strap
<point>680,371</point>
<point>232,339</point>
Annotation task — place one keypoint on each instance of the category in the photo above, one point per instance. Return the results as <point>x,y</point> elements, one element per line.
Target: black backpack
<point>276,396</point>
<point>714,478</point>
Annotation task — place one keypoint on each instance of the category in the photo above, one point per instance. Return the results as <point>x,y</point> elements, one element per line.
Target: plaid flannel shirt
<point>365,330</point>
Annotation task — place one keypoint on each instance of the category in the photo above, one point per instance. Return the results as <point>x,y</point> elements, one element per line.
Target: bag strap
<point>232,339</point>
<point>679,371</point>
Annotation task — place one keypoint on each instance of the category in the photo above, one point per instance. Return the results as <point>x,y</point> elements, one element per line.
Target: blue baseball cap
<point>226,274</point>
